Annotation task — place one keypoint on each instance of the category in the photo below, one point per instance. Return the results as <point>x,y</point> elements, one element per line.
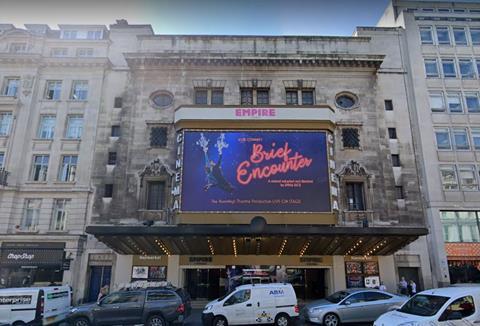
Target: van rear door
<point>56,303</point>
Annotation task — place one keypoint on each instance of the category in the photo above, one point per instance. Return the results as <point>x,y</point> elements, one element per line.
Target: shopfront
<point>463,262</point>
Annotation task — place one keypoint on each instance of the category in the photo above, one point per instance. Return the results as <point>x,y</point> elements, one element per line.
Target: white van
<point>36,305</point>
<point>273,303</point>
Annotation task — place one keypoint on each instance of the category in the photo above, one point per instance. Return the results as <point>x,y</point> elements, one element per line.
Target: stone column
<point>338,274</point>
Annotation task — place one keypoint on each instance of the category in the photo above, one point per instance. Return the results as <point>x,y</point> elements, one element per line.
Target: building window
<point>392,133</point>
<point>18,48</point>
<point>431,67</point>
<point>426,35</point>
<point>350,138</point>
<point>449,177</point>
<point>346,101</point>
<point>11,86</point>
<point>6,119</point>
<point>68,169</point>
<point>292,97</point>
<point>115,132</point>
<point>246,96</point>
<point>46,129</point>
<point>74,127</point>
<point>308,97</point>
<point>79,90</point>
<point>53,89</point>
<point>460,139</point>
<point>161,99</point>
<point>59,52</point>
<point>84,52</point>
<point>475,36</point>
<point>69,35</point>
<point>443,36</point>
<point>156,195</point>
<point>388,105</point>
<point>472,102</point>
<point>118,102</point>
<point>263,96</point>
<point>217,96</point>
<point>112,158</point>
<point>442,136</point>
<point>476,138</point>
<point>108,191</point>
<point>396,160</point>
<point>355,197</point>
<point>460,36</point>
<point>158,136</point>
<point>2,159</point>
<point>59,217</point>
<point>467,175</point>
<point>448,68</point>
<point>454,103</point>
<point>460,226</point>
<point>399,194</point>
<point>466,68</point>
<point>94,35</point>
<point>201,96</point>
<point>437,103</point>
<point>31,214</point>
<point>40,168</point>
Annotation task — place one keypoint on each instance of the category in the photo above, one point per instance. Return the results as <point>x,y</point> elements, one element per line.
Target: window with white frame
<point>84,52</point>
<point>460,139</point>
<point>46,128</point>
<point>460,226</point>
<point>443,35</point>
<point>68,168</point>
<point>31,214</point>
<point>460,36</point>
<point>74,127</point>
<point>59,52</point>
<point>437,103</point>
<point>79,90</point>
<point>442,136</point>
<point>94,35</point>
<point>53,89</point>
<point>11,86</point>
<point>448,68</point>
<point>466,68</point>
<point>426,34</point>
<point>69,34</point>
<point>39,168</point>
<point>468,177</point>
<point>475,132</point>
<point>2,159</point>
<point>431,67</point>
<point>18,47</point>
<point>449,177</point>
<point>454,103</point>
<point>472,102</point>
<point>475,36</point>
<point>59,217</point>
<point>6,119</point>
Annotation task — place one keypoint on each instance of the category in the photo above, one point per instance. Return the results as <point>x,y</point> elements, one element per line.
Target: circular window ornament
<point>161,99</point>
<point>346,101</point>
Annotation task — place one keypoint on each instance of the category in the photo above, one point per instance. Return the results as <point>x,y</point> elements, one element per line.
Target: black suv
<point>151,307</point>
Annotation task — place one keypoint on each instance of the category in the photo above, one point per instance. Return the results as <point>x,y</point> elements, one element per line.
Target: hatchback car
<point>352,306</point>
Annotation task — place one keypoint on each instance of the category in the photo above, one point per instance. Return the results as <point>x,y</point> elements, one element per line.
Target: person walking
<point>382,287</point>
<point>412,288</point>
<point>402,286</point>
<point>103,293</point>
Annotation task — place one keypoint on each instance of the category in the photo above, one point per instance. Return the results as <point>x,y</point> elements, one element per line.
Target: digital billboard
<point>255,171</point>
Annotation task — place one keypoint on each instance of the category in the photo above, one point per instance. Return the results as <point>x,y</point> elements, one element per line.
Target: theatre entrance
<point>309,283</point>
<point>205,283</point>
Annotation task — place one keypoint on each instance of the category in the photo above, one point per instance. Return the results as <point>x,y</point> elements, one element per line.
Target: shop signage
<point>247,171</point>
<point>199,260</point>
<point>177,177</point>
<point>255,112</point>
<point>311,260</point>
<point>32,254</point>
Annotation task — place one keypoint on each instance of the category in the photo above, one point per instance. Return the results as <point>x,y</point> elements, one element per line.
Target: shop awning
<point>250,240</point>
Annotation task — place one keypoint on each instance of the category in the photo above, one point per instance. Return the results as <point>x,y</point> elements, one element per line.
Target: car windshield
<point>337,296</point>
<point>225,295</point>
<point>424,305</point>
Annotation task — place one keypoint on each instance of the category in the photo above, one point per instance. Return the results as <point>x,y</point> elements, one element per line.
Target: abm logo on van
<point>277,293</point>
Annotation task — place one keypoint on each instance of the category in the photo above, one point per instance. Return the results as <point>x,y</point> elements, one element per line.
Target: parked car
<point>273,303</point>
<point>150,306</point>
<point>35,305</point>
<point>351,306</point>
<point>445,306</point>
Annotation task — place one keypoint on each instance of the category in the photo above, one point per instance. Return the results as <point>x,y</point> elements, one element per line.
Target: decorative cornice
<point>352,168</point>
<point>37,59</point>
<point>157,167</point>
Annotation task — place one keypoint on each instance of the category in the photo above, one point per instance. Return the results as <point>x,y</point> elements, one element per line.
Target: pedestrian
<point>412,288</point>
<point>103,293</point>
<point>382,287</point>
<point>402,286</point>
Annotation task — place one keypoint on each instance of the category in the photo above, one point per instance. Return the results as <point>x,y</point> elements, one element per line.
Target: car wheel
<point>19,323</point>
<point>282,320</point>
<point>220,321</point>
<point>155,320</point>
<point>331,320</point>
<point>81,322</point>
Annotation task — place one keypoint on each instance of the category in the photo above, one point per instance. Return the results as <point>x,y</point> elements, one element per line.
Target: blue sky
<point>235,17</point>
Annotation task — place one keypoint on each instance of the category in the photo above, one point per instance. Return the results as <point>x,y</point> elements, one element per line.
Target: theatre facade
<point>236,159</point>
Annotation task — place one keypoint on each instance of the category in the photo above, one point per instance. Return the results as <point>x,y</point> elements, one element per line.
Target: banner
<point>255,171</point>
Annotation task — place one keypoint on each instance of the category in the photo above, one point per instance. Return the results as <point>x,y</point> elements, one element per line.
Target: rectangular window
<point>201,96</point>
<point>79,90</point>
<point>392,133</point>
<point>118,102</point>
<point>246,96</point>
<point>443,36</point>
<point>68,170</point>
<point>31,214</point>
<point>472,102</point>
<point>292,97</point>
<point>476,138</point>
<point>467,175</point>
<point>477,62</point>
<point>460,138</point>
<point>399,194</point>
<point>431,67</point>
<point>69,35</point>
<point>46,129</point>
<point>263,96</point>
<point>84,52</point>
<point>443,10</point>
<point>355,197</point>
<point>449,177</point>
<point>59,52</point>
<point>39,168</point>
<point>426,35</point>
<point>459,11</point>
<point>156,195</point>
<point>217,96</point>
<point>53,89</point>
<point>442,136</point>
<point>112,158</point>
<point>437,103</point>
<point>466,68</point>
<point>18,48</point>
<point>460,36</point>
<point>475,36</point>
<point>115,132</point>
<point>454,102</point>
<point>108,191</point>
<point>11,86</point>
<point>350,138</point>
<point>396,160</point>
<point>59,217</point>
<point>448,68</point>
<point>94,35</point>
<point>6,119</point>
<point>468,226</point>
<point>388,105</point>
<point>308,97</point>
<point>2,159</point>
<point>158,137</point>
<point>74,127</point>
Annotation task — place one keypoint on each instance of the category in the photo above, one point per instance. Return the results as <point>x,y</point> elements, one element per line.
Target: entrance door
<point>204,284</point>
<point>99,277</point>
<point>314,283</point>
<point>410,273</point>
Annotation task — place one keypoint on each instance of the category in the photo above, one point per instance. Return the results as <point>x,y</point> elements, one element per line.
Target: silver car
<point>352,306</point>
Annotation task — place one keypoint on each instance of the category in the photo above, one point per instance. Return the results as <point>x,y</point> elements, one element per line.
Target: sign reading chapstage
<point>247,171</point>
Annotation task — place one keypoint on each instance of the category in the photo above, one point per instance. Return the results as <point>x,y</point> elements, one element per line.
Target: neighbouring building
<point>442,51</point>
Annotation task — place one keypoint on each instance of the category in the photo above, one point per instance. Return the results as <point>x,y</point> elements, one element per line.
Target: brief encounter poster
<point>248,171</point>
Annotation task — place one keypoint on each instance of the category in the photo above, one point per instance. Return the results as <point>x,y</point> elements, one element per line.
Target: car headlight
<point>208,308</point>
<point>73,310</point>
<point>316,310</point>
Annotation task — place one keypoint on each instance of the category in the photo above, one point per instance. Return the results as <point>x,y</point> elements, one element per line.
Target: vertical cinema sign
<point>177,177</point>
